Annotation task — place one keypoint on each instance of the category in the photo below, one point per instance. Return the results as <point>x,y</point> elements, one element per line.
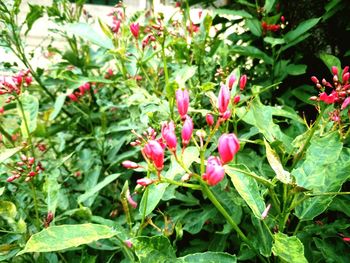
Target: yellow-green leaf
<point>57,238</point>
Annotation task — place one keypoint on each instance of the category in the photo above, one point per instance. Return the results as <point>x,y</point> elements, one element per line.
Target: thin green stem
<point>192,186</point>
<point>306,144</point>
<point>8,136</point>
<point>35,199</point>
<point>327,193</point>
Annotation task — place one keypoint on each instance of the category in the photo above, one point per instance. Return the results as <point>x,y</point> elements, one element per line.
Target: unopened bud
<point>209,119</point>
<point>32,174</point>
<point>11,178</point>
<point>266,211</point>
<point>313,98</point>
<point>185,177</point>
<point>334,70</point>
<point>346,77</point>
<point>31,160</point>
<point>23,158</point>
<point>314,80</point>
<point>128,243</point>
<point>144,181</point>
<point>242,82</point>
<point>236,99</point>
<point>318,85</point>
<point>130,165</point>
<point>335,78</point>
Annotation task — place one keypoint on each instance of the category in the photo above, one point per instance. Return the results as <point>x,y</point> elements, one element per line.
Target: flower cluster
<point>25,167</point>
<point>153,148</point>
<point>80,92</point>
<point>337,93</point>
<point>12,85</point>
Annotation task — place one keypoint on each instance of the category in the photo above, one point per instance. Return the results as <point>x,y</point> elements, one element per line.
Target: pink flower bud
<point>314,80</point>
<point>228,147</point>
<point>226,115</point>
<point>128,243</point>
<point>283,19</point>
<point>155,152</point>
<point>73,97</point>
<point>214,171</point>
<point>135,28</point>
<point>32,173</point>
<point>346,102</point>
<point>23,158</point>
<point>187,130</point>
<point>223,98</point>
<point>266,211</point>
<point>236,99</point>
<point>2,110</point>
<point>346,77</point>
<point>31,160</point>
<point>209,119</point>
<point>116,25</point>
<point>242,82</point>
<point>28,80</point>
<point>11,178</point>
<point>130,200</point>
<point>182,102</point>
<point>231,81</point>
<point>130,165</point>
<point>144,181</point>
<point>334,70</point>
<point>346,239</point>
<point>168,134</point>
<point>345,70</point>
<point>313,98</point>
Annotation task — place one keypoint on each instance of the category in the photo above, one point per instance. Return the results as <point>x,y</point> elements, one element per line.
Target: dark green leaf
<point>253,52</point>
<point>302,28</point>
<point>254,26</point>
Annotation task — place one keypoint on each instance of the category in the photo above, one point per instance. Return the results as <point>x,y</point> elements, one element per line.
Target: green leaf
<point>195,220</point>
<point>190,155</point>
<point>261,237</point>
<point>253,52</point>
<point>302,28</point>
<point>86,32</point>
<point>7,210</point>
<point>295,70</point>
<point>268,5</point>
<point>52,188</point>
<point>57,238</point>
<point>106,29</point>
<point>209,257</point>
<point>30,106</point>
<point>154,249</point>
<point>248,189</point>
<point>276,165</point>
<point>35,12</point>
<point>254,26</point>
<point>274,41</point>
<point>289,249</point>
<point>330,61</point>
<point>183,74</point>
<point>92,191</point>
<point>7,153</point>
<point>260,116</point>
<point>332,251</point>
<point>229,12</point>
<point>325,169</point>
<point>58,106</point>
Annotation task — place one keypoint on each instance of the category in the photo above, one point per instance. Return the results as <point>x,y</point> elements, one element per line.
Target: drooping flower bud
<point>223,98</point>
<point>130,200</point>
<point>226,115</point>
<point>345,70</point>
<point>135,28</point>
<point>130,165</point>
<point>187,131</point>
<point>209,119</point>
<point>228,147</point>
<point>182,102</point>
<point>231,81</point>
<point>155,152</point>
<point>215,172</point>
<point>346,77</point>
<point>314,80</point>
<point>236,99</point>
<point>73,97</point>
<point>243,82</point>
<point>345,103</point>
<point>334,70</point>
<point>144,181</point>
<point>265,212</point>
<point>168,134</point>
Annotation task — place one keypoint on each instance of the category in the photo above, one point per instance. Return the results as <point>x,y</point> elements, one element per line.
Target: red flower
<point>135,29</point>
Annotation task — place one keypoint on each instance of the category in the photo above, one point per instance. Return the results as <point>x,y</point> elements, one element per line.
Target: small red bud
<point>31,160</point>
<point>346,77</point>
<point>242,82</point>
<point>209,119</point>
<point>236,99</point>
<point>314,80</point>
<point>11,178</point>
<point>32,173</point>
<point>334,70</point>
